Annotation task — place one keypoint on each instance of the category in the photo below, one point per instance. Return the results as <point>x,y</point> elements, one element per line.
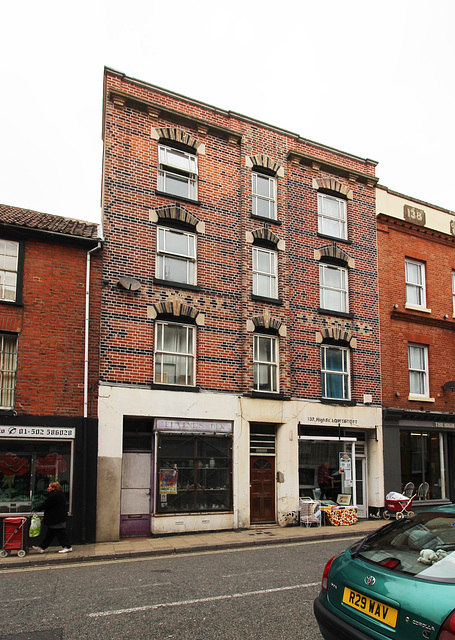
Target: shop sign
<point>199,426</point>
<point>323,420</point>
<point>168,481</point>
<point>10,431</point>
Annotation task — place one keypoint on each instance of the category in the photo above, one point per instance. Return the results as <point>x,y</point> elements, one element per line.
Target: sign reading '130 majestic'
<point>37,432</point>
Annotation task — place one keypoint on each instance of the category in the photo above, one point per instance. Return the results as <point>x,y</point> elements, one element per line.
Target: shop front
<point>174,468</point>
<point>340,457</point>
<point>419,453</point>
<point>31,458</point>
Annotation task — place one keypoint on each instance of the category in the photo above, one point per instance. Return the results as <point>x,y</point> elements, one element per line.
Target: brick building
<point>416,248</point>
<point>240,323</point>
<point>48,366</point>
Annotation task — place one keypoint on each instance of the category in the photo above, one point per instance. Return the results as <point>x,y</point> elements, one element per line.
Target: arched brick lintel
<point>266,322</point>
<point>177,309</point>
<point>336,334</point>
<point>330,184</point>
<point>334,251</point>
<point>176,135</point>
<point>176,212</point>
<point>264,161</point>
<point>265,234</point>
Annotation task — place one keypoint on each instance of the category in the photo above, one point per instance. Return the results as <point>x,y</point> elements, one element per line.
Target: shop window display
<point>194,474</point>
<point>26,469</point>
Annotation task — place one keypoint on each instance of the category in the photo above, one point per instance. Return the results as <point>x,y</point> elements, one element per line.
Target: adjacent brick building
<point>240,322</point>
<point>416,246</point>
<point>49,337</point>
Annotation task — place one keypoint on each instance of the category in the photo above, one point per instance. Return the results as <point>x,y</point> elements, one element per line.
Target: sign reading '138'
<point>412,214</point>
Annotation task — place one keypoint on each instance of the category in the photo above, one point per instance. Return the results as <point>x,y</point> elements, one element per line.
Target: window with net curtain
<point>265,272</point>
<point>175,349</point>
<point>335,372</point>
<point>415,283</point>
<point>265,363</point>
<point>8,365</point>
<point>9,256</point>
<point>333,288</point>
<point>332,216</point>
<point>263,195</point>
<point>176,256</point>
<point>177,172</point>
<point>418,370</point>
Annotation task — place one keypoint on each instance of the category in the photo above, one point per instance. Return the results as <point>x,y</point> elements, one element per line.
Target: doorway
<point>361,484</point>
<point>135,494</point>
<point>262,473</point>
<point>262,490</point>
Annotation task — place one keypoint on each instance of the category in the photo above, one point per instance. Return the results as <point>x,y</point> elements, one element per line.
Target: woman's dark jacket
<point>54,507</point>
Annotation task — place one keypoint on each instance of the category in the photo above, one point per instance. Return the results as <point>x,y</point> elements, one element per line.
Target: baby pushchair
<point>401,507</point>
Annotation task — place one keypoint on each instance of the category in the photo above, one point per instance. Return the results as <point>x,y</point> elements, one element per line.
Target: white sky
<point>374,78</point>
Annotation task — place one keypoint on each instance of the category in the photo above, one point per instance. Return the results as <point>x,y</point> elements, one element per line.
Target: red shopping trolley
<point>401,508</point>
<point>14,536</point>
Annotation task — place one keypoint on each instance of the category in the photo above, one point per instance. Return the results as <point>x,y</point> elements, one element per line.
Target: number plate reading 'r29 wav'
<point>373,608</point>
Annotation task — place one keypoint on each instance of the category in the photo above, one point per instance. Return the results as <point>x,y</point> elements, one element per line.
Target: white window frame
<point>168,357</point>
<point>267,369</point>
<point>257,198</point>
<point>325,289</point>
<point>270,276</point>
<point>344,373</point>
<point>8,370</point>
<point>174,164</point>
<point>325,218</point>
<point>453,293</point>
<point>165,256</point>
<point>9,264</point>
<point>417,285</point>
<point>421,372</point>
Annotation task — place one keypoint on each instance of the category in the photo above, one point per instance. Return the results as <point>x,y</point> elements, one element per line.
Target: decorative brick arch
<point>177,309</point>
<point>265,162</point>
<point>266,322</point>
<point>337,335</point>
<point>176,213</point>
<point>265,235</point>
<point>176,135</point>
<point>334,251</point>
<point>330,184</point>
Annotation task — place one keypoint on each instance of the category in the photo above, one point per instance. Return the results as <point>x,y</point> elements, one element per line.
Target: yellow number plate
<point>370,607</point>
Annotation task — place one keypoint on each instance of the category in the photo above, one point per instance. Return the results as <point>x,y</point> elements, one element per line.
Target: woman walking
<point>55,517</point>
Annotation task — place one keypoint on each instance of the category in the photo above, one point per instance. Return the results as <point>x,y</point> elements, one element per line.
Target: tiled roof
<point>47,222</point>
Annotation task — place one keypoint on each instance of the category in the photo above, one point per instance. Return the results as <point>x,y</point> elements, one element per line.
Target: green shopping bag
<point>35,526</point>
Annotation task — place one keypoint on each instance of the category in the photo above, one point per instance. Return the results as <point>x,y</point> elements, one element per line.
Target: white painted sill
<point>420,399</point>
<point>414,307</point>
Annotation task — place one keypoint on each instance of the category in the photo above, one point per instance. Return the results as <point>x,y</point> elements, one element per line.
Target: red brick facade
<point>48,424</point>
<point>136,116</point>
<point>51,325</point>
<point>398,240</point>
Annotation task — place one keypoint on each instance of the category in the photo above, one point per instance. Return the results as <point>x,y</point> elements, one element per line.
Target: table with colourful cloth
<point>338,516</point>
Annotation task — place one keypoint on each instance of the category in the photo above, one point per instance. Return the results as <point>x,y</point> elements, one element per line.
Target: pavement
<point>188,543</point>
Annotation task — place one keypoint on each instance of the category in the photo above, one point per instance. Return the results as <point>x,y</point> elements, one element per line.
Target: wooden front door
<point>262,490</point>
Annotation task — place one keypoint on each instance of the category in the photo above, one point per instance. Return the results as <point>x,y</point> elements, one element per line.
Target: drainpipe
<point>85,422</point>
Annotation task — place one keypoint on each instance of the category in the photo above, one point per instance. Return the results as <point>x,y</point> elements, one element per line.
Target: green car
<point>398,582</point>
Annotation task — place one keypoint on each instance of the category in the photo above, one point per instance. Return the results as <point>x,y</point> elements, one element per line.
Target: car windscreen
<point>423,546</point>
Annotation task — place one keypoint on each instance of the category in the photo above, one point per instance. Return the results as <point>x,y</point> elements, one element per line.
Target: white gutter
<point>87,315</point>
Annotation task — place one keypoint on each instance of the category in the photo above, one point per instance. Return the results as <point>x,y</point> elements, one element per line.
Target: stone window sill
<point>414,307</point>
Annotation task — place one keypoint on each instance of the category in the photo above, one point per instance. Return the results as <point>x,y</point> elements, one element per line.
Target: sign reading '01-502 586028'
<point>10,431</point>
